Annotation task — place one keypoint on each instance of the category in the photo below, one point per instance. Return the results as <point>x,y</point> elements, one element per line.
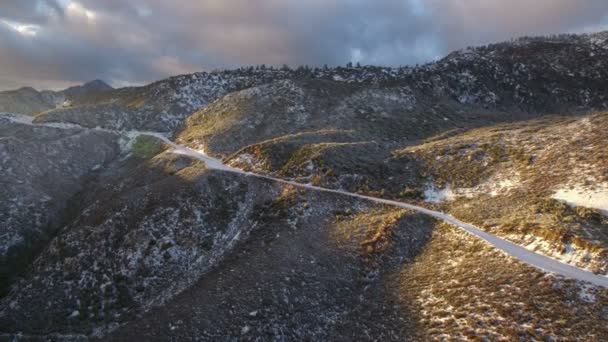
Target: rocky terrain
<point>43,169</point>
<point>107,234</point>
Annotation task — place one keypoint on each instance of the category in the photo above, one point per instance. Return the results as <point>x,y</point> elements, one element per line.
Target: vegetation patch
<point>146,147</point>
<point>280,207</point>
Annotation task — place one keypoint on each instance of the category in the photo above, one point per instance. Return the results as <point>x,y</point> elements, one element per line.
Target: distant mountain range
<point>29,101</point>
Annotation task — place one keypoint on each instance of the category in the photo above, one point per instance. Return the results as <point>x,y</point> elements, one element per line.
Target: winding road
<point>534,259</point>
<point>529,257</point>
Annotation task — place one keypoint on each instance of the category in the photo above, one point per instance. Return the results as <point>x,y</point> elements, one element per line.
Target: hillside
<point>29,101</point>
<point>112,234</point>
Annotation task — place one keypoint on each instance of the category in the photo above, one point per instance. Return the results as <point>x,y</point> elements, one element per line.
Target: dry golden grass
<point>461,288</point>
<point>547,152</point>
<point>544,155</point>
<point>382,236</point>
<point>370,229</point>
<point>136,102</point>
<point>519,215</point>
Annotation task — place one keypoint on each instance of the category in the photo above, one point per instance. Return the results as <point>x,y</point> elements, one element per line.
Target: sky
<point>52,44</point>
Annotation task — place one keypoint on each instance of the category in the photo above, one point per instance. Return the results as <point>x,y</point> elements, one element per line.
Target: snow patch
<point>579,196</point>
<point>567,253</point>
<point>245,159</point>
<point>496,185</point>
<point>434,195</point>
<point>587,294</point>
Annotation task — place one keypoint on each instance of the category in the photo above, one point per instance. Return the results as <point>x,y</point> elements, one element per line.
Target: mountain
<point>29,101</point>
<point>115,228</point>
<point>92,87</point>
<point>564,73</point>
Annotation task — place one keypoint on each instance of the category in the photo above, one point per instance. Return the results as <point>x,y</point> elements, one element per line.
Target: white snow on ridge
<point>580,196</point>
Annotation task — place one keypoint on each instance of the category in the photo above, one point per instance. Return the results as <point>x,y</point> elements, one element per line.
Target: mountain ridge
<point>29,101</point>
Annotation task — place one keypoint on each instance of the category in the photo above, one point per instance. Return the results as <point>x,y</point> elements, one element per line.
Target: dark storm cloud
<point>53,43</point>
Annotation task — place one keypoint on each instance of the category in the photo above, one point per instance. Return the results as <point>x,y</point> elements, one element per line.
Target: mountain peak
<point>26,89</point>
<point>88,87</point>
<point>96,85</point>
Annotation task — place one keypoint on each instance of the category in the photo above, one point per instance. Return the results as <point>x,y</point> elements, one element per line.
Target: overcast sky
<point>50,44</point>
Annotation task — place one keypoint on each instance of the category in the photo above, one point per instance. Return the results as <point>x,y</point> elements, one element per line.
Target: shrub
<point>146,147</point>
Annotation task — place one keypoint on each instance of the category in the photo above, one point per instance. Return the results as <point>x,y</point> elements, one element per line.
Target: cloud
<point>467,22</point>
<point>24,29</point>
<point>30,11</point>
<point>51,43</point>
